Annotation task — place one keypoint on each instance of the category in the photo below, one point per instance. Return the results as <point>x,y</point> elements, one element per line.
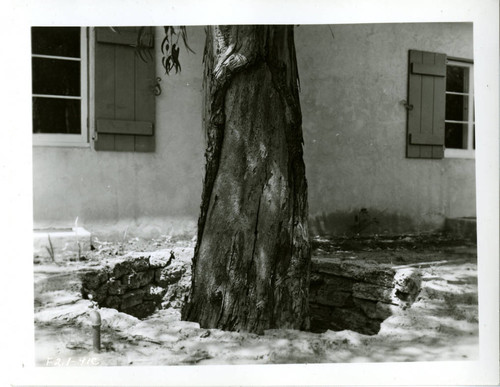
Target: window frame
<point>72,140</point>
<point>470,152</point>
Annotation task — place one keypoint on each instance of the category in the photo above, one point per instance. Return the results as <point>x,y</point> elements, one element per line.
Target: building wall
<point>354,131</point>
<point>141,193</point>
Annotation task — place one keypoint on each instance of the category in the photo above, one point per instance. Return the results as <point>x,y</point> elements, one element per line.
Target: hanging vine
<point>170,47</point>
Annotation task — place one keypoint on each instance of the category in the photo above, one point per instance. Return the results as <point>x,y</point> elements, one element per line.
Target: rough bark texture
<point>251,262</point>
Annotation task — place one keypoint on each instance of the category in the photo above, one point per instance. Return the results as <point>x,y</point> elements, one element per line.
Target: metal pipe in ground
<point>95,320</point>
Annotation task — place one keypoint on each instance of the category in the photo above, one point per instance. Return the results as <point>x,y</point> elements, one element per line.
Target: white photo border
<point>17,196</point>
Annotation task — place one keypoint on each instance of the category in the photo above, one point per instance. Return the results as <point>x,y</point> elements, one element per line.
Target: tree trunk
<point>252,258</point>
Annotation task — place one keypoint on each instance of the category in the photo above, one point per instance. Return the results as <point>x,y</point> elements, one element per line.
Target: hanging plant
<point>169,47</point>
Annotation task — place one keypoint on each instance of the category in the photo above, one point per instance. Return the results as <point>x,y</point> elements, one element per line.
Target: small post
<point>95,319</point>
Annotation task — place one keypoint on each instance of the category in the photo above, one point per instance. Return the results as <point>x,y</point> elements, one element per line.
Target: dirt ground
<point>442,324</point>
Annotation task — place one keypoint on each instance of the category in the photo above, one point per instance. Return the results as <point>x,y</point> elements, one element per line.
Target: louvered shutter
<point>124,97</point>
<point>426,105</point>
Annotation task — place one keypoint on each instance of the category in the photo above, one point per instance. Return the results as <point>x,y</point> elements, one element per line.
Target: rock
<point>141,310</point>
<point>329,296</point>
<point>93,279</point>
<point>154,293</point>
<point>407,283</point>
<point>355,320</point>
<point>113,302</point>
<point>325,318</point>
<point>205,334</point>
<point>334,283</point>
<point>377,274</point>
<point>121,268</point>
<point>375,293</point>
<point>115,287</point>
<point>140,264</point>
<point>137,280</point>
<point>132,298</point>
<point>375,310</point>
<point>130,265</point>
<point>116,320</point>
<point>158,262</point>
<point>358,295</point>
<point>170,274</point>
<point>98,295</point>
<point>131,282</point>
<point>178,292</point>
<point>67,313</point>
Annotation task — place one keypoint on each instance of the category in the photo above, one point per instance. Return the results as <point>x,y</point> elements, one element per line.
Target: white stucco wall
<point>355,128</point>
<point>354,131</point>
<point>145,193</point>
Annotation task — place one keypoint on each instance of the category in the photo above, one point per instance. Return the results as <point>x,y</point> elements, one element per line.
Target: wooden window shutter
<point>124,97</point>
<point>426,105</point>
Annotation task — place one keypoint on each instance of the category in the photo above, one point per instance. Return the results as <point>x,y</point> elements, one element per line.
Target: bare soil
<point>441,325</point>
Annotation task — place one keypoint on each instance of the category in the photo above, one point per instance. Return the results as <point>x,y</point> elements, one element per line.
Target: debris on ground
<point>441,324</point>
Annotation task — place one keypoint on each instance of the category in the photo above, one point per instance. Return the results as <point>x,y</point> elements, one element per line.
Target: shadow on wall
<point>363,222</point>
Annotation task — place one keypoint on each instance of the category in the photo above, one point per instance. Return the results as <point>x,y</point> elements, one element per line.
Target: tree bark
<point>252,258</point>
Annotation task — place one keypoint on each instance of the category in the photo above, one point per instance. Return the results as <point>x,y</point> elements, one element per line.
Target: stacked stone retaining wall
<point>344,294</point>
<point>138,285</point>
<point>358,295</point>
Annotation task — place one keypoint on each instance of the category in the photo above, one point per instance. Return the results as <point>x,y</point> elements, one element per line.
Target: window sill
<point>61,145</point>
<point>459,154</point>
<point>58,140</point>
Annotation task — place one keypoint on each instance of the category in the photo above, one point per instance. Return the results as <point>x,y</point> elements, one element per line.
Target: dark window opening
<point>56,79</point>
<point>459,119</point>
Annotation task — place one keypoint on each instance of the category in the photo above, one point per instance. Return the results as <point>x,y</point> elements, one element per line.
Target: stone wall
<point>139,285</point>
<point>358,295</point>
<point>344,294</point>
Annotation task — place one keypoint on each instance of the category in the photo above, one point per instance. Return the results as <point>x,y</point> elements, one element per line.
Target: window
<point>59,86</point>
<point>459,118</point>
<point>440,106</point>
<point>120,106</point>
